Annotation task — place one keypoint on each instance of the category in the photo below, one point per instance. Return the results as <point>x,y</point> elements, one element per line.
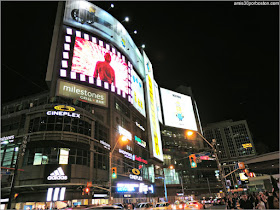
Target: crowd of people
<point>261,200</point>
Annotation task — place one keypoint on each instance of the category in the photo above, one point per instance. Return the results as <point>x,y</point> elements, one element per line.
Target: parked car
<point>163,205</point>
<point>144,206</point>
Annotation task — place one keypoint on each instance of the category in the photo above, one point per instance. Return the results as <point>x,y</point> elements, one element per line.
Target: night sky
<point>228,54</point>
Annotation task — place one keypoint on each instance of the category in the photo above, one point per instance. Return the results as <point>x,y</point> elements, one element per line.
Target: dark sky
<point>228,54</point>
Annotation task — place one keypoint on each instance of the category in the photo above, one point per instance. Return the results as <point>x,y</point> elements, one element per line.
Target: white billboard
<point>158,102</point>
<point>178,110</point>
<point>137,93</point>
<point>154,131</point>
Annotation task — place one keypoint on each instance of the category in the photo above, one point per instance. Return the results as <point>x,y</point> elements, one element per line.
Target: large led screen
<point>178,110</point>
<point>137,93</point>
<point>96,61</point>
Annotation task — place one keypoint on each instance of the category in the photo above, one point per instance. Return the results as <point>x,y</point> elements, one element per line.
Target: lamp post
<point>213,146</point>
<point>123,139</point>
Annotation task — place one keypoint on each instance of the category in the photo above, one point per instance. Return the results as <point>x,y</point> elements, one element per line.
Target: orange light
<point>87,190</point>
<point>190,133</point>
<point>171,167</point>
<point>16,195</point>
<point>124,138</point>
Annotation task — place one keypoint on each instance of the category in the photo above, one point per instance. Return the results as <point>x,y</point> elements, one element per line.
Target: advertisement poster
<point>158,102</point>
<point>137,93</point>
<point>93,60</point>
<point>82,93</point>
<point>152,111</point>
<point>178,110</point>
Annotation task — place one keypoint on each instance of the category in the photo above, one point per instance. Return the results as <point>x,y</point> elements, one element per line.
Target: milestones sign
<point>82,93</point>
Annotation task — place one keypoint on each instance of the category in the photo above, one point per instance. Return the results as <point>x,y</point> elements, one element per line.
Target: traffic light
<point>114,172</point>
<point>193,161</point>
<point>247,173</point>
<point>87,190</point>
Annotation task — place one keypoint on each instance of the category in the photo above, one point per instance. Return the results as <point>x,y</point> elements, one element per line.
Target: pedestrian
<point>245,203</point>
<point>259,203</point>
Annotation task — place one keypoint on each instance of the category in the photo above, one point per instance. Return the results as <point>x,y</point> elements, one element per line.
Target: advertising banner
<point>88,17</point>
<point>83,93</point>
<point>152,111</point>
<point>178,110</point>
<point>138,93</point>
<point>158,102</point>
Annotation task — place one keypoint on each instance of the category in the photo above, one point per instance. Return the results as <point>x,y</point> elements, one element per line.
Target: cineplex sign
<point>82,93</point>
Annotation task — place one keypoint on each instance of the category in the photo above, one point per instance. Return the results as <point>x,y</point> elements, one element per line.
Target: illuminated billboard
<point>158,102</point>
<point>137,91</point>
<point>154,131</point>
<point>89,60</point>
<point>94,60</point>
<point>178,110</point>
<point>82,93</point>
<point>89,17</point>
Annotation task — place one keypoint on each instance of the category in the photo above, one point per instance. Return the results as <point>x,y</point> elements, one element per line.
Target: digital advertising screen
<point>137,90</point>
<point>154,131</point>
<point>96,61</point>
<point>92,19</point>
<point>158,105</point>
<point>178,110</point>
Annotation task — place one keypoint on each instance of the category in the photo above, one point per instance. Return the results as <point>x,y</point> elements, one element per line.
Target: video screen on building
<point>96,61</point>
<point>178,110</point>
<point>137,93</point>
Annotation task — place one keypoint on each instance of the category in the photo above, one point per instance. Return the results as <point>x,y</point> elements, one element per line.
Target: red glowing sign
<point>204,157</point>
<point>96,61</point>
<point>141,160</point>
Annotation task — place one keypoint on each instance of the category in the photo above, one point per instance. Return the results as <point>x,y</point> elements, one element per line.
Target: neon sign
<point>125,132</point>
<point>61,113</point>
<point>58,174</point>
<point>140,126</point>
<point>247,145</point>
<point>140,141</point>
<point>7,139</point>
<point>132,157</point>
<point>105,144</point>
<point>137,188</point>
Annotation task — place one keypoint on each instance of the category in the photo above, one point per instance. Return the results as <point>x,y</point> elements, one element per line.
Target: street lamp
<point>213,146</point>
<point>123,139</point>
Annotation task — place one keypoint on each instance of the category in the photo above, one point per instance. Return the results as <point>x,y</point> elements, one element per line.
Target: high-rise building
<point>234,143</point>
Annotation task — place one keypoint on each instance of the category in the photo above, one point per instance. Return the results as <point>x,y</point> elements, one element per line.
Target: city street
<point>216,207</point>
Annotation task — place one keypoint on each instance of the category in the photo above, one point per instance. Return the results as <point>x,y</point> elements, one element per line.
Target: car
<point>118,204</point>
<point>193,205</point>
<point>179,205</point>
<point>144,206</point>
<point>219,201</point>
<point>163,205</point>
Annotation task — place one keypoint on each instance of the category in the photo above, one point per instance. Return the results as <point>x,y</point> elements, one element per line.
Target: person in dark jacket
<point>245,203</point>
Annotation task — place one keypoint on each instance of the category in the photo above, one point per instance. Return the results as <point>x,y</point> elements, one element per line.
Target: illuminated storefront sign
<point>67,111</point>
<point>58,174</point>
<point>137,188</point>
<point>140,126</point>
<point>152,111</point>
<point>126,154</point>
<point>82,93</point>
<point>56,194</point>
<point>140,159</point>
<point>135,175</point>
<point>125,132</point>
<point>105,144</point>
<point>247,145</point>
<point>7,139</point>
<point>132,157</point>
<point>140,141</point>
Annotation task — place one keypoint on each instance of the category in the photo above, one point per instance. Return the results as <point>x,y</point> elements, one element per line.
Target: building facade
<point>234,144</point>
